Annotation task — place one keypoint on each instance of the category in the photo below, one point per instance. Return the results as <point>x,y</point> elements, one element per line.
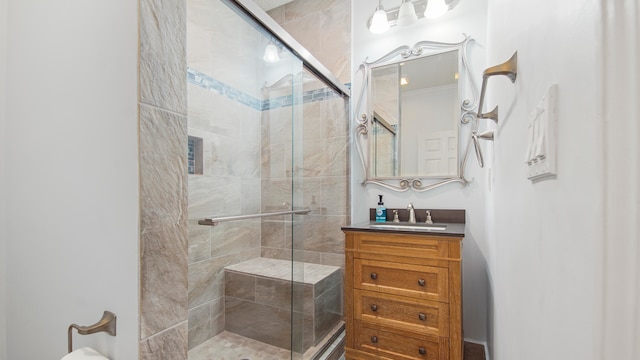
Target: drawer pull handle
<point>374,339</point>
<point>422,351</point>
<point>421,282</point>
<point>374,307</point>
<point>374,276</point>
<point>422,316</point>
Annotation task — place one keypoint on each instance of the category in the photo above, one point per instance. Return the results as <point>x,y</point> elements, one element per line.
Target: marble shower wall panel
<point>163,220</point>
<point>163,180</point>
<point>214,195</point>
<point>231,134</point>
<point>199,325</point>
<point>199,241</point>
<point>227,243</point>
<point>217,34</point>
<point>163,54</point>
<point>205,115</point>
<point>206,278</point>
<point>324,28</point>
<point>168,345</point>
<point>250,201</point>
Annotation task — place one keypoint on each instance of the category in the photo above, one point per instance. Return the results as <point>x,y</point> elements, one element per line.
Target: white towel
<point>85,353</point>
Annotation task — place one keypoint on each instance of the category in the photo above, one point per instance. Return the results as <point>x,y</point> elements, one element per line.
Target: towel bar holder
<point>106,324</point>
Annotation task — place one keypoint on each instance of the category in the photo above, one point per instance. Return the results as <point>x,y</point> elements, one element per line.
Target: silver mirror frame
<point>363,114</point>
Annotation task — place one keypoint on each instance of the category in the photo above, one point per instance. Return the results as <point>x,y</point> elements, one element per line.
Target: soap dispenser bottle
<point>381,211</point>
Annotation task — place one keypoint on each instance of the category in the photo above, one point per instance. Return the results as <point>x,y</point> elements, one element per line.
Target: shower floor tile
<point>229,346</point>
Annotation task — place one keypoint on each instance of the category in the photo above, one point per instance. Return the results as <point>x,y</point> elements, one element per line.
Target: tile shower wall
<point>163,191</point>
<point>324,28</point>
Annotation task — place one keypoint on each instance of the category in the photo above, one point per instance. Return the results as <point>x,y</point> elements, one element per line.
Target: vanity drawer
<point>416,246</point>
<point>410,314</point>
<point>388,344</point>
<point>420,281</point>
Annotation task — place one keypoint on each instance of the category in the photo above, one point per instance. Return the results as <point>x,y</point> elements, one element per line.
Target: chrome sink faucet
<point>412,214</point>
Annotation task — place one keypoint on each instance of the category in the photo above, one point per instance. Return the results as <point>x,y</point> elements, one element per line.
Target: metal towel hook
<point>106,324</point>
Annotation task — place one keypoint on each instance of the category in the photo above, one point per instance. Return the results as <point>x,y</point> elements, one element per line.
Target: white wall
<point>3,234</point>
<point>620,321</point>
<point>468,17</point>
<point>71,174</point>
<point>545,237</point>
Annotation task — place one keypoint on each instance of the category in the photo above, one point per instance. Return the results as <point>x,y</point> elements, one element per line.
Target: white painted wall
<point>620,320</point>
<point>545,238</point>
<point>71,174</point>
<point>468,17</point>
<point>3,224</point>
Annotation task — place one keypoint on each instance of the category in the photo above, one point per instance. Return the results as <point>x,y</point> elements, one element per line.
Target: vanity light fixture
<point>271,54</point>
<point>404,81</point>
<point>435,9</point>
<point>379,21</point>
<point>408,13</point>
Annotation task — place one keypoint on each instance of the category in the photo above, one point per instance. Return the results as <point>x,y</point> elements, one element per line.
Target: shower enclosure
<point>268,189</point>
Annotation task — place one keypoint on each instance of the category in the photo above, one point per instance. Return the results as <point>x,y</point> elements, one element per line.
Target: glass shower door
<point>267,141</point>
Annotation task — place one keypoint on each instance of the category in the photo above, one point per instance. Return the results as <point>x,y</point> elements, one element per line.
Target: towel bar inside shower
<point>215,220</point>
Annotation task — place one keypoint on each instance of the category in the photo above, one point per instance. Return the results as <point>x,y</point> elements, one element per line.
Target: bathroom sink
<point>407,226</point>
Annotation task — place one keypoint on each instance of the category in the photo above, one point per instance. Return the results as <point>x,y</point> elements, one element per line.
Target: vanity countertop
<point>452,220</point>
<point>451,229</point>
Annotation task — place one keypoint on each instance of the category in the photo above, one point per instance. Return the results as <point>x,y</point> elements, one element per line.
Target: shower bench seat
<point>262,299</point>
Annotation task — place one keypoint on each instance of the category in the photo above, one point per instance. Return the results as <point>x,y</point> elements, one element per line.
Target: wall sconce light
<point>379,22</point>
<point>408,13</point>
<point>271,54</point>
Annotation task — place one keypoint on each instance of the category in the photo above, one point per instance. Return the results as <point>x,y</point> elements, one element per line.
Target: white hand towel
<point>85,353</point>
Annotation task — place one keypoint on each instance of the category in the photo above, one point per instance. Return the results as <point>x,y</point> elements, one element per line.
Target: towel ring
<point>106,324</point>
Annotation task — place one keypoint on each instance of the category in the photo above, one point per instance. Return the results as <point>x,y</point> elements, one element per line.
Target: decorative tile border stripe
<point>207,82</point>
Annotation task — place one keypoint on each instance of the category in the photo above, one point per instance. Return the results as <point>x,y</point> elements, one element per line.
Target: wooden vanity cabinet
<point>402,296</point>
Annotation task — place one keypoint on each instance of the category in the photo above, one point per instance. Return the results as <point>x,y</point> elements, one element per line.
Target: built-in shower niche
<point>258,302</point>
<point>195,158</point>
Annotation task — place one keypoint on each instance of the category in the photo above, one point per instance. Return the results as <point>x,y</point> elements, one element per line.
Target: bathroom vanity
<point>403,291</point>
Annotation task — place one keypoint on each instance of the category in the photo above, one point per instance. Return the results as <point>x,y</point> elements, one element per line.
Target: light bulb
<point>407,14</point>
<point>271,54</point>
<point>379,21</point>
<point>435,8</point>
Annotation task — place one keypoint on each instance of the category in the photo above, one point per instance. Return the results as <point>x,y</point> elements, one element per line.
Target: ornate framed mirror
<point>410,115</point>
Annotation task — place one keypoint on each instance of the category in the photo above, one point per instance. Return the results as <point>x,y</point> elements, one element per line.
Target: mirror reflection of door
<point>386,118</point>
<point>385,136</point>
<point>419,99</point>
